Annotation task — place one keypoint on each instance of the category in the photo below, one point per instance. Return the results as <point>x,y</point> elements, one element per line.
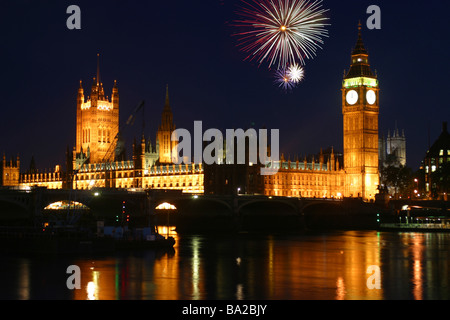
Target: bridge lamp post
<point>417,186</point>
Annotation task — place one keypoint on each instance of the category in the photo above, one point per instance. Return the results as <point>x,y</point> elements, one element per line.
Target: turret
<point>101,92</point>
<point>142,154</point>
<point>360,66</point>
<point>332,160</point>
<point>167,116</point>
<point>166,145</point>
<point>321,159</point>
<point>115,96</point>
<point>80,95</point>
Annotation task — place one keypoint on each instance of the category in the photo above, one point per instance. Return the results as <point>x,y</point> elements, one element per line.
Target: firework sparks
<point>296,73</point>
<point>290,77</point>
<point>283,80</point>
<point>283,31</point>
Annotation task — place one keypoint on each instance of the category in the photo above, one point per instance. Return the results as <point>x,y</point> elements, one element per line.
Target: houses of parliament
<point>97,161</point>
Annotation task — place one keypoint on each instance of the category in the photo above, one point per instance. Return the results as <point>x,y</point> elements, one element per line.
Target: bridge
<point>192,212</point>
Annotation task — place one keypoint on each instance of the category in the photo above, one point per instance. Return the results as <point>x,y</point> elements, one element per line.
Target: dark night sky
<point>188,45</point>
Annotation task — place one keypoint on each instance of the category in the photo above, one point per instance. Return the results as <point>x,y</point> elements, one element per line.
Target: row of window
<point>103,135</point>
<point>433,164</point>
<point>288,177</point>
<point>306,183</point>
<point>304,193</point>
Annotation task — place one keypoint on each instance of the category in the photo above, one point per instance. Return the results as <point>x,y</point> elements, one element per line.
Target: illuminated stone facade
<point>323,176</point>
<point>436,166</point>
<point>321,179</point>
<point>95,162</point>
<point>9,172</point>
<point>328,175</point>
<point>360,109</point>
<point>97,123</point>
<point>164,136</point>
<point>393,145</point>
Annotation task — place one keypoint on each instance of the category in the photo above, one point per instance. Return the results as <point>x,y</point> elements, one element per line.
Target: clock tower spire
<point>360,109</point>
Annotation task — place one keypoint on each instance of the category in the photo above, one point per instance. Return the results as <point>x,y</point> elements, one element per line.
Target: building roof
<point>359,47</point>
<point>360,64</point>
<point>359,70</point>
<point>442,143</point>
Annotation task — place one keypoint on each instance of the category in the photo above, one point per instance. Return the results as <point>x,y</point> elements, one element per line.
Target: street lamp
<point>417,186</point>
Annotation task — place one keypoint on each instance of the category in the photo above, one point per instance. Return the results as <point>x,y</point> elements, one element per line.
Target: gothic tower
<point>97,123</point>
<point>9,172</point>
<point>396,145</point>
<point>164,135</point>
<point>360,108</point>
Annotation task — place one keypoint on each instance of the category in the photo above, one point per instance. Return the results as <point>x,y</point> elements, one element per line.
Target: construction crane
<point>115,146</point>
<point>73,216</point>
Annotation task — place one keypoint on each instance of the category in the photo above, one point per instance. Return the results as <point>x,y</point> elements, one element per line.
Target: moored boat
<point>45,241</point>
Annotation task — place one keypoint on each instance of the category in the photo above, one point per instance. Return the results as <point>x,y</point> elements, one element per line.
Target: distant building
<point>9,172</point>
<point>360,109</point>
<point>395,146</point>
<point>436,165</point>
<point>164,136</point>
<point>98,159</point>
<point>325,175</point>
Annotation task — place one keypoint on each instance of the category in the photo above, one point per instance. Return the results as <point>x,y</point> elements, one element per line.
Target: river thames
<point>313,266</point>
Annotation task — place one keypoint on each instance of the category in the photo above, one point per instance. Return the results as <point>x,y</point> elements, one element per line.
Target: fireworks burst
<point>283,31</point>
<point>296,73</point>
<point>283,80</point>
<point>289,78</point>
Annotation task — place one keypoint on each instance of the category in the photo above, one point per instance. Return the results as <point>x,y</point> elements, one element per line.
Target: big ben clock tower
<point>360,109</point>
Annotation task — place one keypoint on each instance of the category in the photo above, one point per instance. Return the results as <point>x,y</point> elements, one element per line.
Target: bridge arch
<point>204,214</point>
<point>269,214</point>
<point>270,203</point>
<point>323,214</point>
<point>321,203</point>
<point>166,206</point>
<point>66,205</point>
<point>14,210</point>
<point>211,203</point>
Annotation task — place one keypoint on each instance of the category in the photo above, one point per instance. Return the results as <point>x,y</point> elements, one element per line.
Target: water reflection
<point>329,266</point>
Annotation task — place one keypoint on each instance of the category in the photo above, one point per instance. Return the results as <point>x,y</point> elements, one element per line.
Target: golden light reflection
<point>271,265</point>
<point>24,280</point>
<point>329,267</point>
<point>195,268</point>
<point>64,205</point>
<point>166,206</point>
<point>417,267</point>
<point>168,231</point>
<point>340,291</point>
<point>240,292</point>
<point>92,287</point>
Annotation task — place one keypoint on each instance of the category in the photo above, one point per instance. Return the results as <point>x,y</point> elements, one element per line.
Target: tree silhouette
<point>397,178</point>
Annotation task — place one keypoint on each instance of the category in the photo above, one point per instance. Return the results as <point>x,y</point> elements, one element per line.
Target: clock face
<point>352,97</point>
<point>371,97</point>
